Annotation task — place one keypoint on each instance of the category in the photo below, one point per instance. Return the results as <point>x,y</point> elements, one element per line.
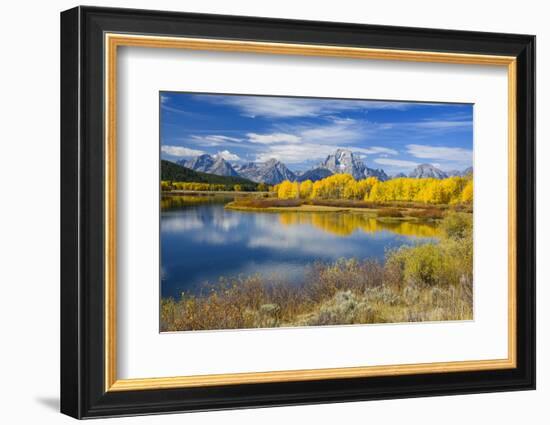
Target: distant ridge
<point>270,172</point>
<point>273,171</point>
<point>315,174</point>
<point>174,172</point>
<point>210,164</point>
<point>468,172</point>
<point>428,171</point>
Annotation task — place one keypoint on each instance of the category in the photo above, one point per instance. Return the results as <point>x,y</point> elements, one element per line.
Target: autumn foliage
<point>452,190</point>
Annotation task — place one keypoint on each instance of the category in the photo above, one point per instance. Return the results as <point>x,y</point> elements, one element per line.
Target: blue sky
<point>301,132</point>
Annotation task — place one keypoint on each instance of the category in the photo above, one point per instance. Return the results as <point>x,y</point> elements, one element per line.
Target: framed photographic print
<point>261,212</point>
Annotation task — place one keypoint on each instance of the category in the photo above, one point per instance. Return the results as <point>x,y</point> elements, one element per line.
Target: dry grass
<point>428,282</point>
<point>418,210</point>
<point>390,212</point>
<point>346,292</point>
<point>427,213</point>
<point>266,202</point>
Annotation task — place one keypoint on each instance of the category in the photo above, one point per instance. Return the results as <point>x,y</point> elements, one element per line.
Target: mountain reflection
<point>201,241</point>
<point>340,224</point>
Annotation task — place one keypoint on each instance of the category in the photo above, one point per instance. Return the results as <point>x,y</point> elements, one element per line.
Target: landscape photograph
<point>298,211</point>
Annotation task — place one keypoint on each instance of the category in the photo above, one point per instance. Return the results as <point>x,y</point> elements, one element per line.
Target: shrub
<point>253,202</point>
<point>449,262</point>
<point>344,308</point>
<point>428,213</point>
<point>431,282</point>
<point>418,265</point>
<point>389,212</point>
<point>457,225</point>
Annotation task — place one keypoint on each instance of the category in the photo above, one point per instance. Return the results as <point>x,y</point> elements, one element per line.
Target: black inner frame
<point>82,212</point>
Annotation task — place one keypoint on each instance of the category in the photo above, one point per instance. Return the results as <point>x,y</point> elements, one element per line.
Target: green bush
<point>428,282</point>
<point>449,262</point>
<point>418,265</point>
<point>457,225</point>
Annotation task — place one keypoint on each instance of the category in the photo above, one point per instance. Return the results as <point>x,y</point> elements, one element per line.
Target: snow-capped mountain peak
<point>427,171</point>
<point>343,161</point>
<point>207,164</point>
<point>271,172</point>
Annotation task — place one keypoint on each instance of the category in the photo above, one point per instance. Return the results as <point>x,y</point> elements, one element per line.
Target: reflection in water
<point>202,241</point>
<point>344,224</point>
<point>174,201</point>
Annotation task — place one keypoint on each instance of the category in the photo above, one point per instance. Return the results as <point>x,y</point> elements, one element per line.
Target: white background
<point>29,229</point>
<point>140,344</point>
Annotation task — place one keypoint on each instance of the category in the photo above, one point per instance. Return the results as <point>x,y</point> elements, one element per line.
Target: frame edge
<point>80,396</point>
<point>70,364</point>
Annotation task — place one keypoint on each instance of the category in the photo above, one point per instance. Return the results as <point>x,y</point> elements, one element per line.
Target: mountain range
<point>429,171</point>
<point>209,164</point>
<point>343,161</point>
<point>271,172</point>
<point>179,173</point>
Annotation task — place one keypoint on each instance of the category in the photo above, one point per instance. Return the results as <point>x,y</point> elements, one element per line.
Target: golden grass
<point>390,212</point>
<point>394,209</point>
<point>426,213</point>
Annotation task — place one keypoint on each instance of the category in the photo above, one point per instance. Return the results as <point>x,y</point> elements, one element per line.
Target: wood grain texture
<point>113,41</point>
<point>88,199</point>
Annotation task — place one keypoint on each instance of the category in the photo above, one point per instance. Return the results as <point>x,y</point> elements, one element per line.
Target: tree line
<point>451,190</point>
<point>167,185</point>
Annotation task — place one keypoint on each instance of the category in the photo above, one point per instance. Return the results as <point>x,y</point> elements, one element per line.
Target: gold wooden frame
<point>113,41</point>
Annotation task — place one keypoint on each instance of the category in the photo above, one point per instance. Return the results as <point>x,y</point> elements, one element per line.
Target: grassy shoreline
<point>299,208</point>
<point>426,282</point>
<point>383,211</point>
<point>182,192</point>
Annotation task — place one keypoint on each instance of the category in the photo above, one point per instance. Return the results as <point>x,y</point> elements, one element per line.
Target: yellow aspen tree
<point>306,188</point>
<point>351,190</point>
<point>286,190</point>
<point>468,192</point>
<point>295,190</point>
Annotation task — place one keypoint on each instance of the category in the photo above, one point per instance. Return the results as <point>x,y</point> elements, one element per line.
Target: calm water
<point>201,241</point>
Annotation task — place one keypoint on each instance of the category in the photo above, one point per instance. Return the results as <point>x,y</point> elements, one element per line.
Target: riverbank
<point>427,282</point>
<point>176,192</point>
<point>385,211</point>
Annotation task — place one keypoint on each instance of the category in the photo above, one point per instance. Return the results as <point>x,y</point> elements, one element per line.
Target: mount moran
<point>343,161</point>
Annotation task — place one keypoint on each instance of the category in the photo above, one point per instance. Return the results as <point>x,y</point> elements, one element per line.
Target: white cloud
<point>296,153</point>
<point>275,107</point>
<point>395,105</point>
<point>180,151</point>
<point>300,143</point>
<point>442,125</point>
<point>395,162</point>
<point>273,138</point>
<point>334,134</point>
<point>165,107</point>
<point>443,153</point>
<point>337,132</point>
<point>215,139</point>
<point>228,156</point>
<point>288,107</point>
<point>375,150</point>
